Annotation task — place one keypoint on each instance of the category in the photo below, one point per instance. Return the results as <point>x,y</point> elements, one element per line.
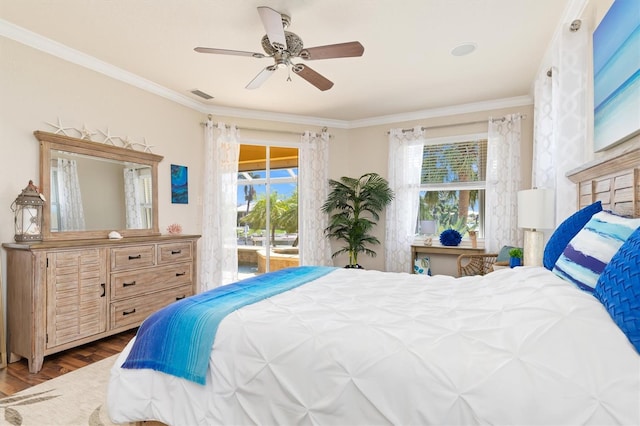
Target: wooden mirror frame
<point>50,142</point>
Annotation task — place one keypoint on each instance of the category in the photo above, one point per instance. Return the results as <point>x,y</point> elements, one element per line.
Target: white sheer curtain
<point>69,196</point>
<point>132,200</point>
<point>503,183</point>
<point>560,126</point>
<point>313,188</point>
<point>219,250</point>
<point>405,164</point>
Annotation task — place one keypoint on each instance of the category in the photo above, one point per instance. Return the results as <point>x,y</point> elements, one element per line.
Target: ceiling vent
<point>202,94</point>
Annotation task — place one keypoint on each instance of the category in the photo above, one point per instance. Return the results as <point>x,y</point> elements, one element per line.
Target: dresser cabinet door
<point>76,295</point>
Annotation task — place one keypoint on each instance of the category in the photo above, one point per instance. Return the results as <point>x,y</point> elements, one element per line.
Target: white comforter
<point>518,346</point>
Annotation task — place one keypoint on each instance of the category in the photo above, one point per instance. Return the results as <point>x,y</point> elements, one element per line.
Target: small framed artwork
<point>179,184</point>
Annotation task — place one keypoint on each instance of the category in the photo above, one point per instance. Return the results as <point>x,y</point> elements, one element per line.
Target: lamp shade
<point>536,209</point>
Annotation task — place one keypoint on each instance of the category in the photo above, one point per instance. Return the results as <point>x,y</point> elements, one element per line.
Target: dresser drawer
<point>174,252</point>
<point>135,283</point>
<point>132,312</point>
<point>123,258</point>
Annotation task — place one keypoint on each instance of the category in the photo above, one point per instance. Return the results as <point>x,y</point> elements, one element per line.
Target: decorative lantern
<point>28,214</point>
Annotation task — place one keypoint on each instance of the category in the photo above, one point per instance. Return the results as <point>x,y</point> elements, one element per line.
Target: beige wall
<point>36,88</point>
<point>368,151</point>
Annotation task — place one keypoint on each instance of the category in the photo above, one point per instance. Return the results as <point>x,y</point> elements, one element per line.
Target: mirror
<point>92,189</point>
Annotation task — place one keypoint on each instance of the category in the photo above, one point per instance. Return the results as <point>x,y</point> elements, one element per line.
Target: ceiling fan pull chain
<point>289,71</point>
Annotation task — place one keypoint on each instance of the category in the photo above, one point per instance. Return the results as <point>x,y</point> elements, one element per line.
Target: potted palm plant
<point>354,206</point>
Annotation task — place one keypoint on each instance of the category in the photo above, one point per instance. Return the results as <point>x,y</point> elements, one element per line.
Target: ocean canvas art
<point>616,69</point>
<point>179,184</point>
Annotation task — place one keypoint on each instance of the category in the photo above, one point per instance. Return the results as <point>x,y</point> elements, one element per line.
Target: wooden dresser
<point>62,294</point>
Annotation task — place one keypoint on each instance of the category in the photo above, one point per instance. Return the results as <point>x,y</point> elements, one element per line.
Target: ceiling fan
<point>283,46</point>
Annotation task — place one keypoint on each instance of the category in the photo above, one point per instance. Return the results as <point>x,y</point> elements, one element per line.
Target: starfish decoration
<point>127,143</point>
<point>145,146</point>
<point>108,139</point>
<point>85,133</point>
<point>59,127</point>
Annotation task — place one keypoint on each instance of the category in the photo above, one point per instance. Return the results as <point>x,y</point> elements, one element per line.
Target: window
<point>452,184</point>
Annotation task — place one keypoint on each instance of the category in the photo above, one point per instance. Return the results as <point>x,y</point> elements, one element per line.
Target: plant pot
<point>514,261</point>
<point>356,266</point>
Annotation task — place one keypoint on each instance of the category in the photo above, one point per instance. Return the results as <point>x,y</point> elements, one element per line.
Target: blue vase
<point>514,261</point>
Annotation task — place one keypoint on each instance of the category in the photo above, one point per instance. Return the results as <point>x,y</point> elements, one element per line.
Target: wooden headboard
<point>614,181</point>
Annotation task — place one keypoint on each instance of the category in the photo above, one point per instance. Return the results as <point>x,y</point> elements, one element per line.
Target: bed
<point>363,347</point>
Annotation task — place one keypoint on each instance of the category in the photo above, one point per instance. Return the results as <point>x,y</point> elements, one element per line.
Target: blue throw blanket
<point>178,339</point>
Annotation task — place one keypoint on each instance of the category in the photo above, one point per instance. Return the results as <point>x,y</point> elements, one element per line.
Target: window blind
<point>454,164</point>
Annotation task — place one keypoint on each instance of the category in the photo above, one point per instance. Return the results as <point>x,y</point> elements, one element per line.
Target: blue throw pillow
<point>587,254</point>
<point>618,288</point>
<point>503,254</point>
<point>566,231</point>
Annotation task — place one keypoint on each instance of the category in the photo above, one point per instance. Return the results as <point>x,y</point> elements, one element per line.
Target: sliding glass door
<point>267,208</point>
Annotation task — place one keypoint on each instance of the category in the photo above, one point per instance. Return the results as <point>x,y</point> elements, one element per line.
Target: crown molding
<point>54,48</point>
<point>36,41</point>
<point>46,45</point>
<point>277,116</point>
<point>444,111</point>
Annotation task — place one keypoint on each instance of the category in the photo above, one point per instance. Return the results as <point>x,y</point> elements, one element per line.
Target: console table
<point>442,258</point>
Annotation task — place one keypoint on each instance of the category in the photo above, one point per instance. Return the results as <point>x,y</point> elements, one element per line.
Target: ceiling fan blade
<point>261,77</point>
<point>341,50</point>
<point>272,21</point>
<point>312,77</point>
<point>228,52</point>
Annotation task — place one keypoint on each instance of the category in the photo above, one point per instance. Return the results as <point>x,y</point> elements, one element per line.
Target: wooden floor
<point>16,376</point>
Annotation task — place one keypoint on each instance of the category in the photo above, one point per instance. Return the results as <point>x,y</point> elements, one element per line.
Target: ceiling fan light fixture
<point>284,46</point>
<point>464,49</point>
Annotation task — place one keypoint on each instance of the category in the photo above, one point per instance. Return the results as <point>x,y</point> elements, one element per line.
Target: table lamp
<point>535,211</point>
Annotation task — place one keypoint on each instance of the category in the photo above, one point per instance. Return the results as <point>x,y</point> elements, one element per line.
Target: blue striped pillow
<point>586,255</point>
<point>566,231</point>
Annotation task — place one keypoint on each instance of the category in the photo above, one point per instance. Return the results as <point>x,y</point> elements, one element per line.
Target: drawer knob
<point>128,284</point>
<point>129,312</point>
<point>104,289</point>
<point>179,274</point>
<point>176,251</point>
<point>135,257</point>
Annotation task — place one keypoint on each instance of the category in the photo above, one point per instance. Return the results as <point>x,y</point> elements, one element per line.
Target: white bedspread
<point>518,346</point>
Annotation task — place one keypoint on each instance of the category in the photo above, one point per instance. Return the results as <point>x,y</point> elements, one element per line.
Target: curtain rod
<point>255,129</point>
<point>468,123</point>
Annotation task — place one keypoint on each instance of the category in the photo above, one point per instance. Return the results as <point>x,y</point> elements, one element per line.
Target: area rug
<point>75,398</point>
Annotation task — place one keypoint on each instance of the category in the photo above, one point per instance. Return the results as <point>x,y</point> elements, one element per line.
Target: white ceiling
<point>406,66</point>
